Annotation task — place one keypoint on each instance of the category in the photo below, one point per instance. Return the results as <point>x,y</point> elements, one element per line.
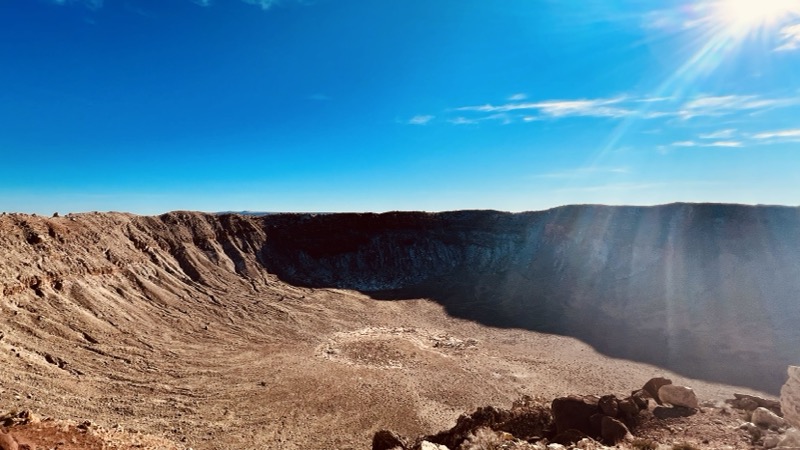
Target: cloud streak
<point>559,108</point>
<point>790,38</point>
<point>626,107</point>
<point>778,137</point>
<point>420,120</point>
<point>723,144</point>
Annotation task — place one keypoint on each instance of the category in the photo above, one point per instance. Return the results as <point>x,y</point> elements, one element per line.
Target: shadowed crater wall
<point>707,290</point>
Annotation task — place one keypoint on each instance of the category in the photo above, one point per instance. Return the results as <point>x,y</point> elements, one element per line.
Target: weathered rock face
<point>790,397</point>
<point>638,283</point>
<point>634,282</point>
<point>574,413</point>
<point>678,396</point>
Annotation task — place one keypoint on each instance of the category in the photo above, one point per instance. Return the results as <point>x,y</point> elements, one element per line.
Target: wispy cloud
<point>779,136</point>
<point>559,108</point>
<point>711,106</point>
<point>517,97</point>
<point>721,134</point>
<point>420,120</point>
<point>586,171</point>
<point>790,38</point>
<point>264,4</point>
<point>463,121</point>
<point>782,133</point>
<point>728,144</point>
<point>625,107</point>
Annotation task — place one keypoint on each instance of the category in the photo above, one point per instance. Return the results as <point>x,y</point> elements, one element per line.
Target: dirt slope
<point>171,326</point>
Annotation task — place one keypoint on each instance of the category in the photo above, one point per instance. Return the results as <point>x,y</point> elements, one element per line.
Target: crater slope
<point>249,332</point>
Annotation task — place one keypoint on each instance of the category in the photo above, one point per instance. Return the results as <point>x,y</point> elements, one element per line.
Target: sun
<point>746,16</point>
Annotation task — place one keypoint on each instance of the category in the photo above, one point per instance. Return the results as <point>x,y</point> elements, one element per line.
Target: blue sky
<point>148,106</point>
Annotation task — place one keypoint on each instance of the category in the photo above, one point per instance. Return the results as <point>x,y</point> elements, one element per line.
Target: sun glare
<point>744,16</point>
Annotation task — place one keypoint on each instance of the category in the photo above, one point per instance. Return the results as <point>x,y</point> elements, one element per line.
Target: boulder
<point>612,431</point>
<point>750,402</point>
<point>654,385</point>
<point>678,396</point>
<point>790,397</point>
<point>609,405</point>
<point>766,419</point>
<point>573,412</point>
<point>629,412</point>
<point>752,430</point>
<point>640,398</point>
<point>387,440</point>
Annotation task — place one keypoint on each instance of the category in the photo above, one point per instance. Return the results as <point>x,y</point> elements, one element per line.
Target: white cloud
<point>627,106</point>
<point>729,144</point>
<point>707,106</point>
<point>462,121</point>
<point>790,38</point>
<point>264,4</point>
<point>420,120</point>
<point>721,134</point>
<point>790,135</point>
<point>517,97</point>
<point>559,108</point>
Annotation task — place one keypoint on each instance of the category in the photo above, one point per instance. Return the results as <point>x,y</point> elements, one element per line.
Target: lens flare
<point>747,16</point>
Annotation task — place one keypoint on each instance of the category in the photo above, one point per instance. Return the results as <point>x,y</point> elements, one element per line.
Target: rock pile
<point>577,421</point>
<point>770,421</point>
<point>590,422</point>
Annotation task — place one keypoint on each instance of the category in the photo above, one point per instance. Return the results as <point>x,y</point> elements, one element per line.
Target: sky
<point>148,106</point>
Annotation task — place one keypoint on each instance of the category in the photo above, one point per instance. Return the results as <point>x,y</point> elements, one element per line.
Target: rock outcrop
<point>748,402</point>
<point>790,397</point>
<point>678,396</point>
<point>593,272</point>
<point>653,385</point>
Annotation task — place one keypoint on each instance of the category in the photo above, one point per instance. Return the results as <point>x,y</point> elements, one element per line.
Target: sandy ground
<point>130,343</point>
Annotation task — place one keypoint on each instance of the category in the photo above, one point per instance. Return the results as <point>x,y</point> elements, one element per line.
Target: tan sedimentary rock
<point>790,397</point>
